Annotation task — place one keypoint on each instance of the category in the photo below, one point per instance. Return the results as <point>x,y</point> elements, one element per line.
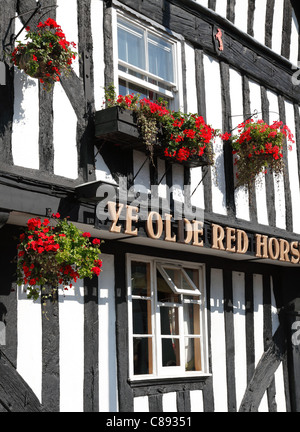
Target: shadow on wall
<point>22,82</point>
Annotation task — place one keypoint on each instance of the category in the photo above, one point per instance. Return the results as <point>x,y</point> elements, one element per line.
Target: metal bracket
<point>255,114</point>
<point>33,12</point>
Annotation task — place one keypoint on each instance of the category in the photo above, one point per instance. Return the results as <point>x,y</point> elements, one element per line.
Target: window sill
<point>154,385</point>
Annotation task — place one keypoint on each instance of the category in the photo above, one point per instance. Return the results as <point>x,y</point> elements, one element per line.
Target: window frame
<point>158,370</point>
<point>174,96</point>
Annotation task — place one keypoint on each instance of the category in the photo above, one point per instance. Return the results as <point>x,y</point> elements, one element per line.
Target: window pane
<point>142,355</point>
<point>170,352</point>
<point>178,278</point>
<point>169,320</point>
<point>160,58</point>
<point>193,275</point>
<point>141,311</point>
<point>191,317</point>
<point>192,354</point>
<point>140,279</point>
<point>131,46</point>
<point>164,292</point>
<point>129,88</point>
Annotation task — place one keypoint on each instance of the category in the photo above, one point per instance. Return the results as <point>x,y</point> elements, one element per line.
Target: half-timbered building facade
<point>200,323</point>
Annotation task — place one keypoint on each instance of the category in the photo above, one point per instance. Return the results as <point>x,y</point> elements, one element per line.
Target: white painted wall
<point>239,322</point>
<point>260,20</point>
<point>241,194</point>
<point>218,348</point>
<point>64,135</point>
<point>71,348</point>
<point>293,169</point>
<point>108,397</point>
<point>29,350</point>
<point>214,118</point>
<point>278,181</point>
<point>277,24</point>
<point>241,15</point>
<point>294,40</point>
<point>260,183</point>
<point>66,17</point>
<point>25,128</point>
<point>98,51</point>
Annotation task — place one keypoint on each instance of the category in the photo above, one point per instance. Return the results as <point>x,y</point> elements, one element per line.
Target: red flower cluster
<point>180,136</point>
<point>47,41</point>
<point>56,254</point>
<point>193,134</point>
<point>154,107</point>
<point>259,146</point>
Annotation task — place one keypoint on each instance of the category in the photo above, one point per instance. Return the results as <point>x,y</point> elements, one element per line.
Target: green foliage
<point>259,147</point>
<point>46,55</point>
<point>54,254</point>
<point>179,136</point>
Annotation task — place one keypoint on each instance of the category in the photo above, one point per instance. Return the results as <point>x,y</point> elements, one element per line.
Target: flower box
<point>118,126</point>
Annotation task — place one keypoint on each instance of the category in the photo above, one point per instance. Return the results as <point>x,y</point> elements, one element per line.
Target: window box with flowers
<point>149,126</point>
<point>258,147</point>
<point>46,55</point>
<point>55,253</point>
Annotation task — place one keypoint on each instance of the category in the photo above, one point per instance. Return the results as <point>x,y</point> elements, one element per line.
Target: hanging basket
<point>117,126</point>
<point>40,73</point>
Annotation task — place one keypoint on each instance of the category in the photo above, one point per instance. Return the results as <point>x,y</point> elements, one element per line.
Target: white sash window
<point>166,318</point>
<point>146,61</point>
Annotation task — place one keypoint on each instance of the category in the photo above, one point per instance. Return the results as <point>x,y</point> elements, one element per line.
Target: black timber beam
<point>37,197</point>
<point>241,51</point>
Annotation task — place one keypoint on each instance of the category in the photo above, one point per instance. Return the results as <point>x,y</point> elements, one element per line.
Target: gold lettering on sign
<point>131,218</point>
<point>217,237</point>
<point>284,250</point>
<point>261,245</point>
<point>295,252</point>
<point>114,216</point>
<point>230,237</point>
<point>273,246</point>
<point>185,231</point>
<point>159,225</point>
<point>198,230</point>
<point>168,230</point>
<point>242,241</point>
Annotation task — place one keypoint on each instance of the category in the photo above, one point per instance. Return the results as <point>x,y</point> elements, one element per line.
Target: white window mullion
<point>181,334</point>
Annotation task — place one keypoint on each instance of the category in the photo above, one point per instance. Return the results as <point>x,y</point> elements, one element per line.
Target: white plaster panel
<point>277,26</point>
<point>64,135</point>
<point>25,128</point>
<point>258,316</point>
<point>236,97</point>
<point>214,118</point>
<point>260,183</point>
<point>259,23</point>
<point>29,350</point>
<point>108,393</point>
<point>98,51</point>
<point>71,348</point>
<point>66,17</point>
<point>293,168</point>
<point>241,15</point>
<point>239,322</point>
<point>218,348</point>
<point>278,180</point>
<point>294,40</point>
